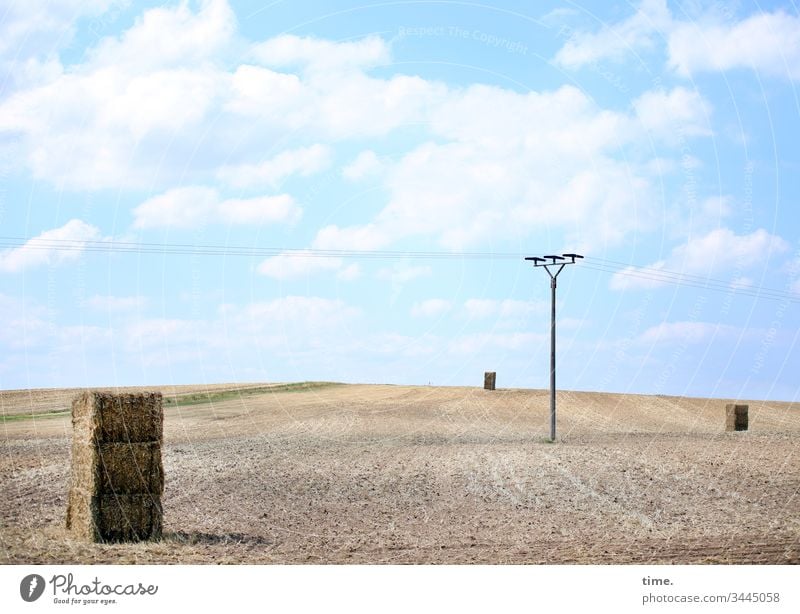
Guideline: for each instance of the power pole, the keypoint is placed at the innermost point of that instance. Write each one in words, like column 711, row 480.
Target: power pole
column 560, row 262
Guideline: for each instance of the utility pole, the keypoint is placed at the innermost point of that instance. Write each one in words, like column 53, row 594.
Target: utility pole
column 560, row 262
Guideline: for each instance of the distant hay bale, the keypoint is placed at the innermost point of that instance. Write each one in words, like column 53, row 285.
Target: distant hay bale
column 117, row 475
column 489, row 380
column 735, row 417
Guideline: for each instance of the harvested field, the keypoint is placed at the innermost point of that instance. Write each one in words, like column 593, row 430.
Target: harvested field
column 396, row 474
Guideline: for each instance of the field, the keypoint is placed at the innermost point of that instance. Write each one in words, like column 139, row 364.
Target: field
column 326, row 473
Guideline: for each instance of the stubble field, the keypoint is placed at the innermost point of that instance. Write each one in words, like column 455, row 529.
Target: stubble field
column 396, row 474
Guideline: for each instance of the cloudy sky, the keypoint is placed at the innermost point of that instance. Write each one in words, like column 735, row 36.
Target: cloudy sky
column 224, row 191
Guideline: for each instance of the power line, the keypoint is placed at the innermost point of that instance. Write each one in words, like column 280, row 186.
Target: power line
column 646, row 273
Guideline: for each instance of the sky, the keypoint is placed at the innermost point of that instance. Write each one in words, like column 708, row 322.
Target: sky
column 222, row 191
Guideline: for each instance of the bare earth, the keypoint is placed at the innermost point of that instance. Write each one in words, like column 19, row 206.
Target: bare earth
column 391, row 474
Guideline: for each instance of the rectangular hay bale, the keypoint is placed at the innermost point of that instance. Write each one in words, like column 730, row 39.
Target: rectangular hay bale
column 736, row 417
column 124, row 518
column 114, row 518
column 109, row 417
column 130, row 468
column 117, row 473
column 489, row 380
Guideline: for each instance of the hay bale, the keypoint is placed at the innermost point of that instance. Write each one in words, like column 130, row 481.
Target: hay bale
column 489, row 380
column 117, row 474
column 125, row 518
column 117, row 418
column 736, row 417
column 114, row 518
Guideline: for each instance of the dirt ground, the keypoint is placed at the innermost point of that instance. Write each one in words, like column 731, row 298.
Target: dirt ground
column 395, row 474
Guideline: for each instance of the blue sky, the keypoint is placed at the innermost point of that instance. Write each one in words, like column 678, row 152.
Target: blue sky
column 657, row 138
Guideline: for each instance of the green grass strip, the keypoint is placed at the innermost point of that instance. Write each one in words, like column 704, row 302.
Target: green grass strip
column 196, row 398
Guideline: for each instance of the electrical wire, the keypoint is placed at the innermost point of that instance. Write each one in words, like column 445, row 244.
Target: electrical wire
column 654, row 275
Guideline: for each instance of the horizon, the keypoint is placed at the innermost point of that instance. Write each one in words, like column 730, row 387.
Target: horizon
column 198, row 387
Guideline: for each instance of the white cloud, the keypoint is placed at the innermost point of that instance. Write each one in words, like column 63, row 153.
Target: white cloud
column 430, row 308
column 471, row 182
column 723, row 249
column 193, row 206
column 358, row 238
column 349, row 273
column 670, row 114
column 507, row 308
column 482, row 342
column 169, row 36
column 401, row 273
column 615, row 41
column 259, row 210
column 685, row 332
column 710, row 255
column 741, row 283
column 365, row 164
column 260, row 92
column 167, row 333
column 765, row 42
column 115, row 303
column 290, row 323
column 120, row 119
column 42, row 27
column 288, row 50
column 477, row 185
column 54, row 246
column 768, row 42
column 304, row 161
column 289, row 265
column 298, row 316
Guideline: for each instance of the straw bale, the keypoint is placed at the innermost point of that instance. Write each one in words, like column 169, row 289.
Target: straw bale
column 736, row 417
column 129, row 517
column 130, row 468
column 116, row 466
column 82, row 514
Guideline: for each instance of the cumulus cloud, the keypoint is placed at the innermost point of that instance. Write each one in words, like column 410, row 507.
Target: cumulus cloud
column 301, row 263
column 168, row 36
column 506, row 308
column 766, row 42
column 193, row 206
column 359, row 238
column 36, row 27
column 713, row 254
column 303, row 162
column 469, row 181
column 402, row 273
column 55, row 246
column 617, row 40
column 364, row 165
column 288, row 50
column 678, row 111
column 508, row 342
column 430, row 308
column 475, row 184
column 686, row 332
column 109, row 303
